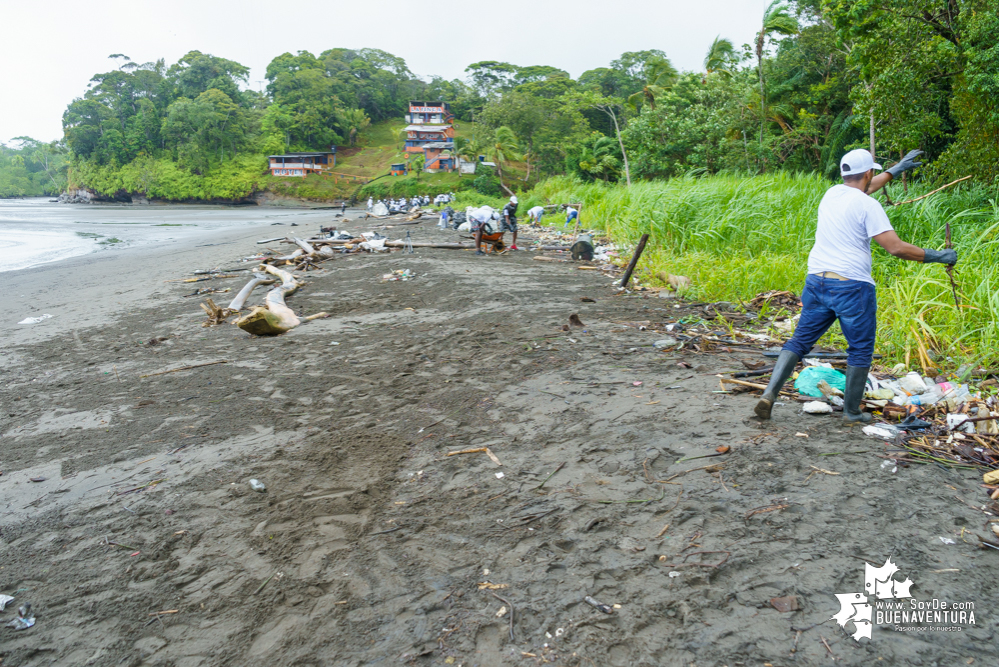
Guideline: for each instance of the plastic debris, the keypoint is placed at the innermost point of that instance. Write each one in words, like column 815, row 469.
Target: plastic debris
column 257, row 485
column 663, row 343
column 674, row 574
column 880, row 431
column 24, row 618
column 991, row 477
column 398, row 274
column 809, row 379
column 957, row 422
column 913, row 383
column 4, row 600
column 35, row 320
column 947, row 540
column 606, row 608
column 817, row 408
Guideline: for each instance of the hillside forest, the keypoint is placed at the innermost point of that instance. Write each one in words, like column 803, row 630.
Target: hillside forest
column 820, row 77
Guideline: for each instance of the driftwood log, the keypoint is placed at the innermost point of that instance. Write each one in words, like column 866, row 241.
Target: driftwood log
column 240, row 299
column 275, row 317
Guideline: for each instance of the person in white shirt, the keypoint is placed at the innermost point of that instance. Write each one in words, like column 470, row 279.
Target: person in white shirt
column 371, row 203
column 478, row 219
column 839, row 285
column 535, row 214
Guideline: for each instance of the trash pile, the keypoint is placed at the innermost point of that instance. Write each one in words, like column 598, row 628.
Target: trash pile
column 398, row 274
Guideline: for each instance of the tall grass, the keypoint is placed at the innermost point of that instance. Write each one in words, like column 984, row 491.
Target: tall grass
column 735, row 236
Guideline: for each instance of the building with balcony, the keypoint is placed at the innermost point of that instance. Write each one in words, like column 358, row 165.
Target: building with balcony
column 417, row 136
column 429, row 113
column 302, row 164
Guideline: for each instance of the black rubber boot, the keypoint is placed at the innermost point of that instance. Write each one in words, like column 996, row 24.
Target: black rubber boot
column 782, row 371
column 856, row 381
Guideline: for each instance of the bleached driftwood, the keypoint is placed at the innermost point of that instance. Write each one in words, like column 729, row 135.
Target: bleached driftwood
column 275, row 317
column 304, row 245
column 244, row 294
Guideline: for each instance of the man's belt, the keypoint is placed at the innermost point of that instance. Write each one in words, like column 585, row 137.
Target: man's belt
column 830, row 274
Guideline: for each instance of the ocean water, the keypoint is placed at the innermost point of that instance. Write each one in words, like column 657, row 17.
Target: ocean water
column 37, row 231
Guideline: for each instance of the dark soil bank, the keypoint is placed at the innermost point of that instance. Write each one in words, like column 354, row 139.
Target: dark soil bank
column 371, row 546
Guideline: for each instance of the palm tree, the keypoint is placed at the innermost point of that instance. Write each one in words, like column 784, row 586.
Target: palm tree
column 599, row 160
column 777, row 20
column 416, row 165
column 719, row 58
column 660, row 75
column 502, row 148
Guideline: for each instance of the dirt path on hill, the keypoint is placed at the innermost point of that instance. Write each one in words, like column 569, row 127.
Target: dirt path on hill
column 371, row 546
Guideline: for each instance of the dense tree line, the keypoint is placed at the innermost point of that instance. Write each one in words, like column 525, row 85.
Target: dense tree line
column 30, row 168
column 820, row 77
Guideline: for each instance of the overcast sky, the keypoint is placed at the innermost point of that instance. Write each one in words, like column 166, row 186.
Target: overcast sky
column 52, row 48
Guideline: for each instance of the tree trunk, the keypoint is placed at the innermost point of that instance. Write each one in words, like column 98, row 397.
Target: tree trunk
column 872, row 135
column 624, row 154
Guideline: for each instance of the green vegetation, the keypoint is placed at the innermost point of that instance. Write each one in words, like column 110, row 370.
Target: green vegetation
column 735, row 236
column 31, row 168
column 819, row 78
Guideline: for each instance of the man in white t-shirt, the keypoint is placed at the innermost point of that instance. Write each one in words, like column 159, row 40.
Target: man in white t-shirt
column 839, row 285
column 479, row 219
column 535, row 214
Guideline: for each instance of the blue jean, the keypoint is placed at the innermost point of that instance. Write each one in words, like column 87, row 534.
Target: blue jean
column 854, row 303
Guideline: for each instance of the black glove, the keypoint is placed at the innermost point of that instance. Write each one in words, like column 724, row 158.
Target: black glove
column 940, row 256
column 905, row 164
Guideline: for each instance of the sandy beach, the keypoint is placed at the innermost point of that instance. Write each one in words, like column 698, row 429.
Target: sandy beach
column 128, row 522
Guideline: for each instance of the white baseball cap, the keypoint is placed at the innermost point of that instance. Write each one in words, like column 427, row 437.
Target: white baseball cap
column 513, row 199
column 857, row 161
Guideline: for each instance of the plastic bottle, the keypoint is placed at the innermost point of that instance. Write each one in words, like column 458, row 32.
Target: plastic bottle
column 928, row 397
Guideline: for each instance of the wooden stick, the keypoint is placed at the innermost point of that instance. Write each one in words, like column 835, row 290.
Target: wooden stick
column 185, row 368
column 634, row 260
column 909, row 201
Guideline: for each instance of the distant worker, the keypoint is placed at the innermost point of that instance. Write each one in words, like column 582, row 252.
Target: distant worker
column 839, row 285
column 570, row 215
column 371, row 203
column 479, row 220
column 445, row 217
column 343, row 206
column 535, row 214
column 510, row 221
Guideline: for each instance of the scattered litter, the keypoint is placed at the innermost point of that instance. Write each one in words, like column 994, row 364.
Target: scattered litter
column 816, row 408
column 888, row 463
column 398, row 274
column 24, row 618
column 485, row 585
column 913, row 383
column 674, row 574
column 959, row 422
column 606, row 608
column 499, row 475
column 785, row 604
column 257, row 485
column 991, row 477
column 664, row 343
column 947, row 540
column 502, row 612
column 35, row 320
column 880, row 431
column 636, row 384
column 809, row 379
column 4, row 599
column 722, row 449
column 801, row 435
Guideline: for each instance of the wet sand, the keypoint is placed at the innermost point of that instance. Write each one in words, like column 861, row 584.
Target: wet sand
column 371, row 545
